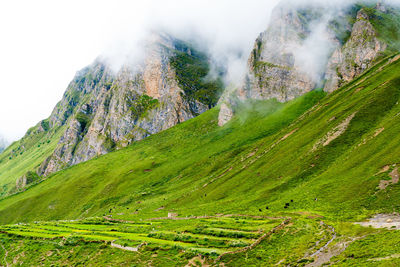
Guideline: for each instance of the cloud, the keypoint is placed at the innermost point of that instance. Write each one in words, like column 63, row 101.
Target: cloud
column 46, row 42
column 226, row 29
column 313, row 54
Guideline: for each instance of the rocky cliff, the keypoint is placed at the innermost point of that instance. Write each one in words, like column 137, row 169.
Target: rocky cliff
column 356, row 55
column 273, row 68
column 309, row 47
column 102, row 110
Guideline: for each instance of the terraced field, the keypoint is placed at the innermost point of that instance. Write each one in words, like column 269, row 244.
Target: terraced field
column 213, row 236
column 232, row 240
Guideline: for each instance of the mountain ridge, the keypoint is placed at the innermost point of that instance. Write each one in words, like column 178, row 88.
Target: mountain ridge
column 355, row 39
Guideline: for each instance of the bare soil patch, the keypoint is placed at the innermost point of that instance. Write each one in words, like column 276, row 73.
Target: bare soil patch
column 335, row 132
column 388, row 221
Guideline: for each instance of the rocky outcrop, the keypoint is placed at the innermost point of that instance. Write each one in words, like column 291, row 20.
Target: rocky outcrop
column 273, row 66
column 103, row 111
column 279, row 66
column 28, row 178
column 356, row 56
column 225, row 114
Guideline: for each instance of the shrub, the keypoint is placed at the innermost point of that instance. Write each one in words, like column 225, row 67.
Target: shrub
column 142, row 105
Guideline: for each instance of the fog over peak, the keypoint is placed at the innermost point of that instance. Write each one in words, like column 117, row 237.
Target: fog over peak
column 46, row 42
column 226, row 29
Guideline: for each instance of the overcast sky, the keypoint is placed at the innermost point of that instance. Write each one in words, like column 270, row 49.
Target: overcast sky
column 44, row 42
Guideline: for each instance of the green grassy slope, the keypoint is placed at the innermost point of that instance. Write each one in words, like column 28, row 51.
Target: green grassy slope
column 26, row 155
column 265, row 157
column 168, row 165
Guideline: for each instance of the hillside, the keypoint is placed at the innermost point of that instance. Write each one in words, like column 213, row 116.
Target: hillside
column 319, row 157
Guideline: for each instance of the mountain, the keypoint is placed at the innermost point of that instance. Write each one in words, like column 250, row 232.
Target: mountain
column 305, row 157
column 112, row 111
column 103, row 111
column 305, row 47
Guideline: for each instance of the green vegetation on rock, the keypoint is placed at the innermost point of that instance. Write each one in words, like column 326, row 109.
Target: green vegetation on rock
column 192, row 69
column 142, row 105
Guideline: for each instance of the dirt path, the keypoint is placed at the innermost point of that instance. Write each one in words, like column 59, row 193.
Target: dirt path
column 134, row 249
column 334, row 133
column 5, row 255
column 116, row 220
column 195, row 260
column 324, row 256
column 324, row 247
column 324, row 253
column 388, row 221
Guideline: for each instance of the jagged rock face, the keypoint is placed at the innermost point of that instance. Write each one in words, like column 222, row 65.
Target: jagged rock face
column 273, row 67
column 103, row 111
column 356, row 56
column 273, row 72
column 21, row 182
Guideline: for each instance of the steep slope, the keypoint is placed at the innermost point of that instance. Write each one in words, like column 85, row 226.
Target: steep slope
column 307, row 47
column 335, row 151
column 102, row 111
